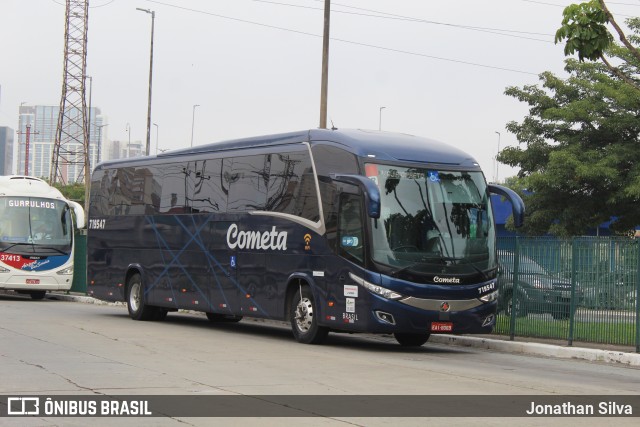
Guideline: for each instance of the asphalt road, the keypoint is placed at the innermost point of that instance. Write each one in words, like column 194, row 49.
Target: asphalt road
column 57, row 347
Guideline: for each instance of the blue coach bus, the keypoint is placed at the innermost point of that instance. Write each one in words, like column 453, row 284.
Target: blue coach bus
column 331, row 230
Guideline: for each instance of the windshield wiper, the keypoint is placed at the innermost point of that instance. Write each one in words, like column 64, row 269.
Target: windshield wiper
column 51, row 248
column 442, row 259
column 16, row 244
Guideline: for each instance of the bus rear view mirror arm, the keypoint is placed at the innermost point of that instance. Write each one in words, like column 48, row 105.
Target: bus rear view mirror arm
column 517, row 205
column 79, row 213
column 369, row 188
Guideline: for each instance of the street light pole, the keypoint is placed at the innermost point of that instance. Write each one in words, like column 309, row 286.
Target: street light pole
column 157, row 131
column 324, row 86
column 193, row 121
column 380, row 118
column 497, row 178
column 153, row 16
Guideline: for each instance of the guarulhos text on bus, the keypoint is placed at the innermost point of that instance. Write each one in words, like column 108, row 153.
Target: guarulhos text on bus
column 273, row 239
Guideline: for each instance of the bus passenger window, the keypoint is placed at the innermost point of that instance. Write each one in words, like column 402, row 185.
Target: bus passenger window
column 350, row 228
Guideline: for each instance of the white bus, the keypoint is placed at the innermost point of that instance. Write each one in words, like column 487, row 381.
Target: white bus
column 36, row 236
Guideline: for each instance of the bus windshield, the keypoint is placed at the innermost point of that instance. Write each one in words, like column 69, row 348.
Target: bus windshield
column 33, row 225
column 432, row 221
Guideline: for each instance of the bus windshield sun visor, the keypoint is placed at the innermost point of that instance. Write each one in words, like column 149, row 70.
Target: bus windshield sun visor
column 371, row 191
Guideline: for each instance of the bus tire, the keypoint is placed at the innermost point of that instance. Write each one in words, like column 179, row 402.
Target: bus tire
column 217, row 317
column 303, row 316
column 37, row 295
column 411, row 340
column 138, row 309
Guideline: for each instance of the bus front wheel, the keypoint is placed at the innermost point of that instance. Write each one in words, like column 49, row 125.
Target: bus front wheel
column 138, row 309
column 411, row 340
column 303, row 315
column 37, row 295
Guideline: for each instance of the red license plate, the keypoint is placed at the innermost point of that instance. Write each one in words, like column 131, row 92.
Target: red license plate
column 33, row 281
column 441, row 326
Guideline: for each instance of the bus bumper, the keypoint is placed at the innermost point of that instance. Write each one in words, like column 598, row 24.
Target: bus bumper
column 35, row 282
column 386, row 317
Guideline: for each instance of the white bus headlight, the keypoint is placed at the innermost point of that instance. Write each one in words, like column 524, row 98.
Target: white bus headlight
column 66, row 271
column 489, row 297
column 378, row 290
column 3, row 270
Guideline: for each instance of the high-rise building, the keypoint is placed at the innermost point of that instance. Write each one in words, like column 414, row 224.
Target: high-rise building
column 6, row 150
column 40, row 122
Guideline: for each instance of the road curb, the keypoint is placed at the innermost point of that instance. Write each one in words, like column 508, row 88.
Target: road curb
column 518, row 347
column 539, row 349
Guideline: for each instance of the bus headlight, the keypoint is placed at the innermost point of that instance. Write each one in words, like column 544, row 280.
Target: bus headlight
column 4, row 270
column 489, row 297
column 66, row 271
column 378, row 290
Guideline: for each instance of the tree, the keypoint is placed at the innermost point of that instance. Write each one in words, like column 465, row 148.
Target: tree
column 73, row 192
column 579, row 153
column 584, row 28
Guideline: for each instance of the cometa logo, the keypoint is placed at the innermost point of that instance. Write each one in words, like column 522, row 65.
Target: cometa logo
column 438, row 279
column 274, row 239
column 307, row 242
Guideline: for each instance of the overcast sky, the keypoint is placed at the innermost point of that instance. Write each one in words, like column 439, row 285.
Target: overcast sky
column 439, row 67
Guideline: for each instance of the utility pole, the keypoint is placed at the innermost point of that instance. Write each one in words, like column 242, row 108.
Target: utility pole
column 27, row 134
column 325, row 66
column 153, row 18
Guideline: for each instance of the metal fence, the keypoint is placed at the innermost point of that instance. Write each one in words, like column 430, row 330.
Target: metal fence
column 579, row 289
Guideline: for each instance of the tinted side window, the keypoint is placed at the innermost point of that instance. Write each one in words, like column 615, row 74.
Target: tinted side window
column 334, row 160
column 175, row 183
column 209, row 190
column 248, row 183
column 119, row 190
column 98, row 198
column 292, row 185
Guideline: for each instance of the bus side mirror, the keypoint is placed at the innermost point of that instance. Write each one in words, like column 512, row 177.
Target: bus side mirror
column 369, row 188
column 517, row 205
column 79, row 212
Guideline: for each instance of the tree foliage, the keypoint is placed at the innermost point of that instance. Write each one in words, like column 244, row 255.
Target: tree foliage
column 579, row 151
column 584, row 27
column 73, row 192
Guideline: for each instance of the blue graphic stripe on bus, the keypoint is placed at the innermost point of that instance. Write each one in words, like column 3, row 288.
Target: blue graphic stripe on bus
column 48, row 263
column 208, row 254
column 176, row 261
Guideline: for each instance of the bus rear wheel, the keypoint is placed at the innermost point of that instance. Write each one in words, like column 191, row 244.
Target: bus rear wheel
column 411, row 340
column 138, row 309
column 303, row 317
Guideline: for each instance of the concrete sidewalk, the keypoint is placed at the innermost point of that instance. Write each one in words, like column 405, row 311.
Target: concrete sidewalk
column 495, row 343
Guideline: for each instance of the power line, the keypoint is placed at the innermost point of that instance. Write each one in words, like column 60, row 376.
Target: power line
column 275, row 27
column 386, row 15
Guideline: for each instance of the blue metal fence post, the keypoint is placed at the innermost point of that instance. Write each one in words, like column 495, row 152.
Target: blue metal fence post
column 514, row 291
column 574, row 272
column 638, row 298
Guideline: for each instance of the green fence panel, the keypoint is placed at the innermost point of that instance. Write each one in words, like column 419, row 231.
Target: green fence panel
column 80, row 263
column 582, row 289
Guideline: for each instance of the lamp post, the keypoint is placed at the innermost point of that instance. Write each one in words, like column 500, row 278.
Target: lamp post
column 157, row 131
column 193, row 121
column 380, row 118
column 497, row 164
column 153, row 16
